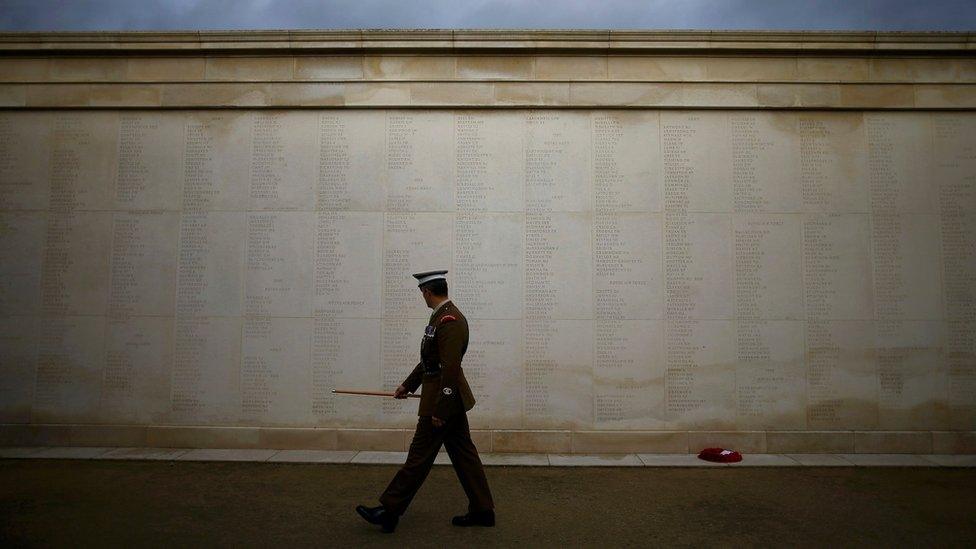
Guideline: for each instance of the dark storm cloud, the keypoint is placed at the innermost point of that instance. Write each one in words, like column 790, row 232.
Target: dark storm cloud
column 474, row 14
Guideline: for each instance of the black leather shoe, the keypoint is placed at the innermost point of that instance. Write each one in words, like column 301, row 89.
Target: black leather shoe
column 475, row 518
column 379, row 515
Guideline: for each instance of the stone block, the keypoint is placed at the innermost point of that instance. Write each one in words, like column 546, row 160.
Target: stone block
column 945, row 96
column 154, row 454
column 560, row 67
column 58, row 95
column 13, row 69
column 126, row 95
column 810, row 442
column 286, row 438
column 226, row 454
column 443, row 94
column 372, row 439
column 329, row 67
column 531, row 441
column 655, row 68
column 911, row 69
column 743, row 441
column 306, row 94
column 250, row 68
column 677, row 460
column 34, row 435
column 107, row 435
column 892, row 442
column 757, row 69
column 13, row 95
column 71, row 452
column 313, row 456
column 218, row 94
column 954, row 442
column 888, row 460
column 376, row 94
column 202, row 437
column 620, row 94
column 877, row 96
column 376, row 457
column 409, row 67
column 595, row 460
column 515, row 459
column 808, row 96
column 87, row 69
column 485, row 67
column 531, row 93
column 820, row 460
column 165, row 69
column 588, row 442
column 833, row 69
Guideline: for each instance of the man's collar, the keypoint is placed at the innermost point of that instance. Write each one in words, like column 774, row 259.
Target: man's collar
column 437, row 308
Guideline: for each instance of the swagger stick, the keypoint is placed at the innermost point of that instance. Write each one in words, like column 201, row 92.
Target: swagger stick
column 370, row 393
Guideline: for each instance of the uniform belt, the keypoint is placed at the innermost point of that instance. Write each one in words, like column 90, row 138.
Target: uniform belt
column 432, row 371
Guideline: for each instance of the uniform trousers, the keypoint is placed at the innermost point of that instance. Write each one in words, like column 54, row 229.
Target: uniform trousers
column 456, row 438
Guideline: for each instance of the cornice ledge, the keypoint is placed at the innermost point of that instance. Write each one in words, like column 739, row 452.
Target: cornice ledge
column 433, row 41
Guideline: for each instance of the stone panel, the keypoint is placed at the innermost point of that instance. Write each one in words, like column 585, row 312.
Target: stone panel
column 136, row 375
column 70, row 366
column 719, row 276
column 18, row 363
column 22, row 237
column 276, row 380
column 25, row 160
column 206, row 383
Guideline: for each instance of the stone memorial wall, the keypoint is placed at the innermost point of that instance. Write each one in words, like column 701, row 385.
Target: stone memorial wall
column 641, row 278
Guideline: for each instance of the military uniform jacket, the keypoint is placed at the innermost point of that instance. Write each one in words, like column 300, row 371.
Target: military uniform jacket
column 445, row 340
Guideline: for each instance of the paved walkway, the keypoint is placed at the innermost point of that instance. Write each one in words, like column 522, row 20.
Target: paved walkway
column 559, row 460
column 153, row 503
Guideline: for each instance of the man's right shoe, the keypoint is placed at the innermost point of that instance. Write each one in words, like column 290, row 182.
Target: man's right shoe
column 379, row 515
column 475, row 518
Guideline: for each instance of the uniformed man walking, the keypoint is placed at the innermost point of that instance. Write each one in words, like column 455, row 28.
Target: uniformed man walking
column 444, row 403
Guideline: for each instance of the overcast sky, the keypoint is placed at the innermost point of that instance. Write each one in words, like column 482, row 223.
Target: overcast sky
column 482, row 14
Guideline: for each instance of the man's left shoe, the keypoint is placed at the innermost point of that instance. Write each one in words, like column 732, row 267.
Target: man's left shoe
column 379, row 515
column 475, row 518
